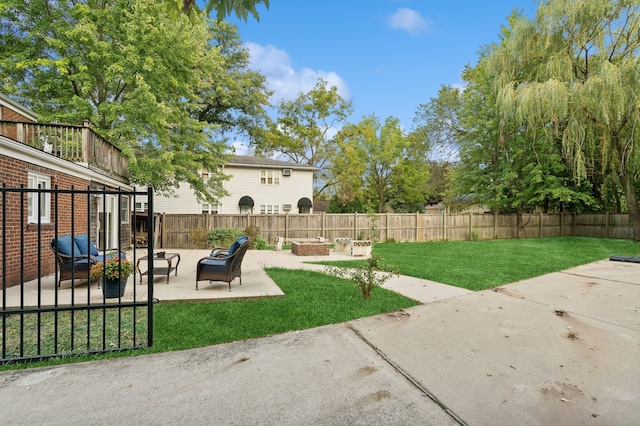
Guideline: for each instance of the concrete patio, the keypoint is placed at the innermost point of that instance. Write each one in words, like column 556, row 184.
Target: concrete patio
column 181, row 285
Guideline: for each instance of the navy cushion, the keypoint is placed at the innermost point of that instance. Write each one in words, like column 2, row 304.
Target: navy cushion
column 236, row 244
column 65, row 244
column 217, row 265
column 82, row 241
column 233, row 248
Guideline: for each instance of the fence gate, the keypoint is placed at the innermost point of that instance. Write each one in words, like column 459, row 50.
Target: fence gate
column 51, row 305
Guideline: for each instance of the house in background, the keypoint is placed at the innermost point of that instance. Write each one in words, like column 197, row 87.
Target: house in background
column 256, row 186
column 49, row 156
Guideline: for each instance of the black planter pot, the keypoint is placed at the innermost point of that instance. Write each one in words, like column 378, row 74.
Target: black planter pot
column 114, row 288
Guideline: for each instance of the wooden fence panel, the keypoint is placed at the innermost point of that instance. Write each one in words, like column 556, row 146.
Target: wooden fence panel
column 399, row 227
column 619, row 226
column 590, row 225
column 483, row 226
column 173, row 229
column 431, row 227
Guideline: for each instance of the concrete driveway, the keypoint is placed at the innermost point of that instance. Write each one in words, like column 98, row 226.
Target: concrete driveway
column 563, row 348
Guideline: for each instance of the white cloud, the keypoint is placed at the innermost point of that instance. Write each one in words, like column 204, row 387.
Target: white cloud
column 460, row 86
column 408, row 20
column 287, row 83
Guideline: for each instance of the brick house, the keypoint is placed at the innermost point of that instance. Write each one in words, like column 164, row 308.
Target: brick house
column 65, row 158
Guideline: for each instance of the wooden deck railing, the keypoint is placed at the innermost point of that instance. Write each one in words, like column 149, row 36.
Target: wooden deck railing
column 72, row 143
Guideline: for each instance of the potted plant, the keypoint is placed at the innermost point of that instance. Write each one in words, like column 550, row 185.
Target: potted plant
column 114, row 274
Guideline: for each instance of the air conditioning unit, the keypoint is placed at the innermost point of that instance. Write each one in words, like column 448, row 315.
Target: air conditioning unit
column 286, row 172
column 286, row 207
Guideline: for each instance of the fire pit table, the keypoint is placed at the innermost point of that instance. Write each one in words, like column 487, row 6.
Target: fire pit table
column 310, row 248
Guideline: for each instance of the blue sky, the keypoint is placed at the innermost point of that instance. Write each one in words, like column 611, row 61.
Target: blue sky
column 386, row 56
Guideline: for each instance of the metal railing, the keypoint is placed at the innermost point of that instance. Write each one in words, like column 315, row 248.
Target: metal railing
column 44, row 318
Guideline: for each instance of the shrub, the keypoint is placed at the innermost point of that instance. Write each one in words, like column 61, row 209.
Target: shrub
column 366, row 276
column 200, row 237
column 252, row 232
column 260, row 243
column 223, row 237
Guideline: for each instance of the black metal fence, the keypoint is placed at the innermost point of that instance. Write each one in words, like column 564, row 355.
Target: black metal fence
column 51, row 305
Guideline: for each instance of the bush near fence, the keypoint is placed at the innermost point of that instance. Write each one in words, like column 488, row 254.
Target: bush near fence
column 405, row 227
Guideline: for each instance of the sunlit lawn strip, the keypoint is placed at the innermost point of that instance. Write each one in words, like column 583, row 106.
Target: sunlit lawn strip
column 477, row 265
column 311, row 299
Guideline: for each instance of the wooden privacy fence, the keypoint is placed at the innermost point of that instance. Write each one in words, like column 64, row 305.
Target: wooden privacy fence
column 405, row 227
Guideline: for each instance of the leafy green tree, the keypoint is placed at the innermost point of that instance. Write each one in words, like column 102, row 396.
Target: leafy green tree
column 503, row 166
column 377, row 163
column 235, row 98
column 141, row 78
column 572, row 75
column 437, row 124
column 439, row 172
column 303, row 131
column 339, row 205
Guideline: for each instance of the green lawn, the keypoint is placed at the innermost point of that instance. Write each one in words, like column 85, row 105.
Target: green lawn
column 311, row 299
column 477, row 265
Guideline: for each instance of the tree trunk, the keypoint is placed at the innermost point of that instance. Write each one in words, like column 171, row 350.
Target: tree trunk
column 519, row 223
column 632, row 206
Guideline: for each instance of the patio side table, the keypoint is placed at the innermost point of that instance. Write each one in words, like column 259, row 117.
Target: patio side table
column 159, row 270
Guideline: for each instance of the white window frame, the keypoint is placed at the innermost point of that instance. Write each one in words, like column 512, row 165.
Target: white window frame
column 37, row 180
column 269, row 209
column 125, row 213
column 270, row 177
column 141, row 206
column 210, row 208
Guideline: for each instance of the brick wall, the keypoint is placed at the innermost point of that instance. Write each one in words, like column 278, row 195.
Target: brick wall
column 309, row 248
column 12, row 115
column 9, row 114
column 28, row 252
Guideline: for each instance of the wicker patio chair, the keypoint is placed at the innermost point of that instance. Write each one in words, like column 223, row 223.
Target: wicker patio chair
column 224, row 268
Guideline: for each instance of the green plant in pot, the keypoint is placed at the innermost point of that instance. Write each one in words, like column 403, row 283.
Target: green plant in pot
column 114, row 274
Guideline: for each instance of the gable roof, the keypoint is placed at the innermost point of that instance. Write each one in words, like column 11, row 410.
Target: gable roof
column 259, row 162
column 10, row 103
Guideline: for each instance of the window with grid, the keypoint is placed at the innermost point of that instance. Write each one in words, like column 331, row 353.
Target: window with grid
column 210, row 208
column 269, row 209
column 124, row 209
column 142, row 206
column 39, row 202
column 269, row 177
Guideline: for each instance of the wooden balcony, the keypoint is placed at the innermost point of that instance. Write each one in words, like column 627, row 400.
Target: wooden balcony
column 78, row 144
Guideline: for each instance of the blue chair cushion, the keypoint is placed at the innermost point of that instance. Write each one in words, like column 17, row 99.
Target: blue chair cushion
column 233, row 248
column 236, row 244
column 83, row 241
column 216, row 265
column 64, row 245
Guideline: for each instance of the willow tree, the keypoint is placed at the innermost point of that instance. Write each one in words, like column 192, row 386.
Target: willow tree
column 571, row 75
column 223, row 8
